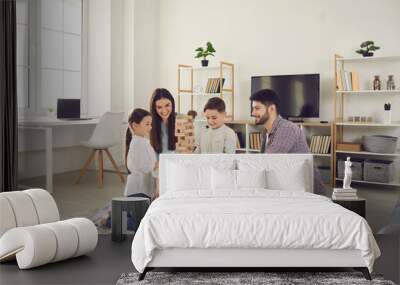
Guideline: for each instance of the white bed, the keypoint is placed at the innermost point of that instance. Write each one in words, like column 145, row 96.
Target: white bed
column 231, row 221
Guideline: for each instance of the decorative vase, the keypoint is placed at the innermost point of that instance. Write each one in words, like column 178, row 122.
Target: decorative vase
column 204, row 62
column 387, row 116
column 377, row 83
column 390, row 83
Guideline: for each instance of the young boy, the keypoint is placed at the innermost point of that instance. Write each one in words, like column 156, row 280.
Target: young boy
column 216, row 137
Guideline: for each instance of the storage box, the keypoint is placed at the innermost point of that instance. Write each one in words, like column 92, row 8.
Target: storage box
column 348, row 146
column 378, row 171
column 356, row 168
column 325, row 172
column 380, row 144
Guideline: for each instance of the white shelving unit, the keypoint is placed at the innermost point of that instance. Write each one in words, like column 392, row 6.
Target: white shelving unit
column 372, row 183
column 368, row 59
column 366, row 153
column 351, row 124
column 353, row 129
column 374, row 92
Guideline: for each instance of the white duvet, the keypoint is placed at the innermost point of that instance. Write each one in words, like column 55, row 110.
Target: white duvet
column 253, row 218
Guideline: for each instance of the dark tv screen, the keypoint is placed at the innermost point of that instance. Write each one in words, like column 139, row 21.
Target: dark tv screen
column 299, row 94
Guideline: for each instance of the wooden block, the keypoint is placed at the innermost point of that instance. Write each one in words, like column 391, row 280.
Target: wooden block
column 349, row 146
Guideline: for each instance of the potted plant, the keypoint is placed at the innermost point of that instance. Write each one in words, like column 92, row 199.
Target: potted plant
column 204, row 52
column 50, row 112
column 369, row 48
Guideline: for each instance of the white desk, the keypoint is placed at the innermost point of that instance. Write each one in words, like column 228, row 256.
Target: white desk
column 46, row 124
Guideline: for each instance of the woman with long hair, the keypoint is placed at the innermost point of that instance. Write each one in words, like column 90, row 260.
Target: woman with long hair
column 162, row 109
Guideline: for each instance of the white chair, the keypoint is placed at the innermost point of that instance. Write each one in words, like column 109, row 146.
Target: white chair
column 31, row 231
column 105, row 135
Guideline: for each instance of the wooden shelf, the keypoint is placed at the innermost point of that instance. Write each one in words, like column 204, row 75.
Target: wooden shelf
column 396, row 91
column 315, row 124
column 367, row 124
column 369, row 59
column 240, row 122
column 206, row 68
column 368, row 153
column 394, row 184
column 254, row 150
column 223, row 70
column 322, row 154
column 190, row 93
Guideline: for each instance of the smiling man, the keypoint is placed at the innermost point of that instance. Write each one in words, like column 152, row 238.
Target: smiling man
column 280, row 135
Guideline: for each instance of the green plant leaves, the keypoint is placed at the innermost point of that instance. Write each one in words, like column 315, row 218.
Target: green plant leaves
column 204, row 52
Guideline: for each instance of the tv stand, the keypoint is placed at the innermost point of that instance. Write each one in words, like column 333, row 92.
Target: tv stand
column 296, row 120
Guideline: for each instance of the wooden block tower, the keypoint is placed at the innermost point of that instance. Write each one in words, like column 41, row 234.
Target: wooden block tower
column 184, row 132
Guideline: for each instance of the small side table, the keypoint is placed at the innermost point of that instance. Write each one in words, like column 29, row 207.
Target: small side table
column 136, row 205
column 358, row 206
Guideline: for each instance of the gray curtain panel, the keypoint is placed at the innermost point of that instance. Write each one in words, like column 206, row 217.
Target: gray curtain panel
column 8, row 97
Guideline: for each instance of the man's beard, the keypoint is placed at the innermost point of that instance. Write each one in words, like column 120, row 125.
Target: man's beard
column 262, row 120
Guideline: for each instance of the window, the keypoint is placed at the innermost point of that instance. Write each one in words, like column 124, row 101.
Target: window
column 23, row 53
column 49, row 44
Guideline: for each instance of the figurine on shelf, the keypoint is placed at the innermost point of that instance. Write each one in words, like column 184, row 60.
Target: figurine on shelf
column 390, row 83
column 347, row 174
column 377, row 83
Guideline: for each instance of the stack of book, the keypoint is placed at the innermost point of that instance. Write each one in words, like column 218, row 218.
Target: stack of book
column 320, row 144
column 347, row 80
column 255, row 140
column 344, row 194
column 213, row 85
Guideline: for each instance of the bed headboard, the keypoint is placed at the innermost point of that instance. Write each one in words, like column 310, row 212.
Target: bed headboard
column 269, row 160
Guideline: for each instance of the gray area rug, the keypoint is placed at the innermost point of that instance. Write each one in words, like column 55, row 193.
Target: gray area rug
column 229, row 278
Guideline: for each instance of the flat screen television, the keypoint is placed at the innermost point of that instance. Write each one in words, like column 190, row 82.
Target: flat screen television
column 299, row 93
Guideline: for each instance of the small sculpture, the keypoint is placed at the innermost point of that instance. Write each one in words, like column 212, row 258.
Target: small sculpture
column 347, row 174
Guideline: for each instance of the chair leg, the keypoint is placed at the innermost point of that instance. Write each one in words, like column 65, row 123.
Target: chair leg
column 101, row 169
column 85, row 167
column 115, row 165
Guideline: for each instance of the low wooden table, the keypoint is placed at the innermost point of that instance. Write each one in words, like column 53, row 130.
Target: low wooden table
column 136, row 205
column 358, row 206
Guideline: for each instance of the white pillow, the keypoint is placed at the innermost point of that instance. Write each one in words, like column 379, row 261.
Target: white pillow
column 223, row 179
column 290, row 178
column 182, row 177
column 251, row 178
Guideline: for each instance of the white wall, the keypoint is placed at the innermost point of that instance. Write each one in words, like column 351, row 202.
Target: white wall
column 146, row 51
column 99, row 57
column 262, row 37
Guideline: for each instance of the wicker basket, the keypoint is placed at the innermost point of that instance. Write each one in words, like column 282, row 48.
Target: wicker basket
column 380, row 144
column 378, row 171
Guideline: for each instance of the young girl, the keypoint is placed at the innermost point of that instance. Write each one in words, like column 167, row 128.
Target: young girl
column 140, row 157
column 140, row 160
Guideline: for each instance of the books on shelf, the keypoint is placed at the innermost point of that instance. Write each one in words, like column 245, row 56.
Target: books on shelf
column 255, row 140
column 239, row 140
column 344, row 194
column 320, row 144
column 213, row 85
column 347, row 80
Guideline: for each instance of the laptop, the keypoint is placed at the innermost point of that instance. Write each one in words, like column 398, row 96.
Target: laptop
column 69, row 109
